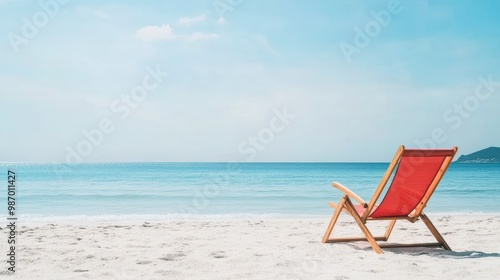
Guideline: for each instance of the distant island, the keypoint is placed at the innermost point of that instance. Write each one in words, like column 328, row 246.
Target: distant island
column 488, row 155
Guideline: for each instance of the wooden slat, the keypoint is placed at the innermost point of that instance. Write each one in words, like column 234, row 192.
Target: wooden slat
column 390, row 218
column 435, row 182
column 349, row 239
column 389, row 229
column 335, row 216
column 429, row 153
column 334, row 206
column 362, row 226
column 350, row 193
column 434, row 231
column 383, row 182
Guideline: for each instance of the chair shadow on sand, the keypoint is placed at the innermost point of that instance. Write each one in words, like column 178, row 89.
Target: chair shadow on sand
column 439, row 253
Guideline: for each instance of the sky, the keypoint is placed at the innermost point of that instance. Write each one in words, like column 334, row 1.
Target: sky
column 246, row 81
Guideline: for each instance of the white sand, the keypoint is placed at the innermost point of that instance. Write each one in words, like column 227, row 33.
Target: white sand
column 253, row 249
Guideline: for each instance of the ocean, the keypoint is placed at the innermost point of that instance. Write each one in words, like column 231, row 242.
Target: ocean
column 223, row 189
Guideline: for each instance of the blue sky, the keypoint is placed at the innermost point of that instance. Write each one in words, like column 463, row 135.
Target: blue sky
column 247, row 80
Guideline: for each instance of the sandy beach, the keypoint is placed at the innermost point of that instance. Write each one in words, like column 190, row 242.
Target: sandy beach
column 270, row 248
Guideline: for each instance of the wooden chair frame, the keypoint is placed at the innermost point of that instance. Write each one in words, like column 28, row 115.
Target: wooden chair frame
column 346, row 205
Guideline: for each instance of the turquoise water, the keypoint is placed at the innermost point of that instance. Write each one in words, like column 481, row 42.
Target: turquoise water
column 224, row 188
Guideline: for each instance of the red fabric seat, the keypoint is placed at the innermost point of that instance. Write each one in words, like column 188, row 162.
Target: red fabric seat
column 361, row 210
column 413, row 178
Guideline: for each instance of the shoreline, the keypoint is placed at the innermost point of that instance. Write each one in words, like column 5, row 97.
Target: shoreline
column 29, row 219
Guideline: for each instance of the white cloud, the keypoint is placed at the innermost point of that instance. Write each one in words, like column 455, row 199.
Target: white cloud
column 155, row 33
column 152, row 33
column 201, row 36
column 187, row 20
column 221, row 21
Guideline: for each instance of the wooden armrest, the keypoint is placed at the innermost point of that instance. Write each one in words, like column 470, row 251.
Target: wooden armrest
column 349, row 193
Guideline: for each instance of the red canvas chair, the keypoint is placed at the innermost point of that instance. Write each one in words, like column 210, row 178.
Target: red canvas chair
column 418, row 172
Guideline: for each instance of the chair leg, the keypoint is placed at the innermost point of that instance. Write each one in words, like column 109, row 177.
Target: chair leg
column 389, row 229
column 335, row 216
column 434, row 231
column 363, row 227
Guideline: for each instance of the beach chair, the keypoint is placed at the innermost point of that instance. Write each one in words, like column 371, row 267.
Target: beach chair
column 418, row 172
